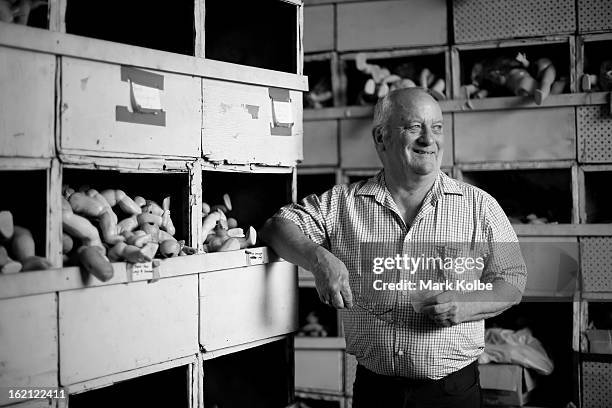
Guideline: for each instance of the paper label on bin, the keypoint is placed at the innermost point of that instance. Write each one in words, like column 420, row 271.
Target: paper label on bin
column 282, row 112
column 146, row 97
column 140, row 271
column 254, row 256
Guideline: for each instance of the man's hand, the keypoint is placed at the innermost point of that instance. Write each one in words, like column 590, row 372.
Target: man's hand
column 446, row 308
column 452, row 307
column 332, row 280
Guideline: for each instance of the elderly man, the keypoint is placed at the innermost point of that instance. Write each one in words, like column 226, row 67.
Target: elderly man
column 417, row 346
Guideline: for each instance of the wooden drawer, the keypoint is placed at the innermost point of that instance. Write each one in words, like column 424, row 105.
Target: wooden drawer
column 318, row 28
column 552, row 264
column 594, row 124
column 594, row 15
column 319, row 369
column 478, row 20
column 116, row 328
column 511, row 135
column 28, row 335
column 241, row 305
column 238, row 124
column 389, row 24
column 98, row 115
column 320, row 143
column 28, row 109
column 357, row 147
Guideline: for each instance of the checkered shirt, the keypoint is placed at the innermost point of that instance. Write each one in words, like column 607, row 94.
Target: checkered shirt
column 382, row 330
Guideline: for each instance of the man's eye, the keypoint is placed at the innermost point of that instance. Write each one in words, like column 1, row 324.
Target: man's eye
column 413, row 128
column 437, row 128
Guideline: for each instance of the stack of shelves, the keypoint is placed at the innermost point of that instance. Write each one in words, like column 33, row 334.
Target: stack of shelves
column 192, row 116
column 549, row 160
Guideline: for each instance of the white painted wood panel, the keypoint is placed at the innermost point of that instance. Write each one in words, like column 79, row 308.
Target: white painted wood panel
column 28, row 103
column 237, row 120
column 515, row 135
column 28, row 343
column 320, row 143
column 117, row 328
column 319, row 369
column 92, row 90
column 319, row 28
column 241, row 305
column 370, row 25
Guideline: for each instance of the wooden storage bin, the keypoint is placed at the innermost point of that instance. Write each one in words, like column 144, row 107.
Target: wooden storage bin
column 134, row 24
column 596, row 390
column 479, row 20
column 241, row 305
column 515, row 135
column 261, row 34
column 544, row 192
column 594, row 124
column 321, row 70
column 240, row 124
column 597, row 200
column 320, row 143
column 594, row 15
column 390, row 24
column 407, row 64
column 559, row 50
column 315, row 183
column 27, row 116
column 319, row 28
column 116, row 328
column 596, row 264
column 174, row 382
column 28, row 334
column 98, row 117
column 318, row 370
column 259, row 376
column 591, row 53
column 552, row 265
column 357, row 147
column 27, row 200
column 328, row 317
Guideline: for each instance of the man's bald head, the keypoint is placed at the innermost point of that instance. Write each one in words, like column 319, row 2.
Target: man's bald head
column 405, row 98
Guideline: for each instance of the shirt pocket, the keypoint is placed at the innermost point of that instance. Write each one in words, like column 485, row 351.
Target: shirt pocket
column 374, row 283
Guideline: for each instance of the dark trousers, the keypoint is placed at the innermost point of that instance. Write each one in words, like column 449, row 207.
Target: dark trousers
column 460, row 389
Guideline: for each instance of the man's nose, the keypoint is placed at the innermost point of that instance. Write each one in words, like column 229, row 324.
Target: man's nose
column 426, row 137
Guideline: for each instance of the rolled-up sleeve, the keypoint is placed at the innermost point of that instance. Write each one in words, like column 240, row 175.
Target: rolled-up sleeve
column 313, row 215
column 505, row 260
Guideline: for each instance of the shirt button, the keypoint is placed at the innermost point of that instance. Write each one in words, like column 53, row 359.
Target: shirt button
column 400, row 353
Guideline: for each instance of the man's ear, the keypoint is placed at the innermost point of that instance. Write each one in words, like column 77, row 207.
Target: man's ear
column 378, row 133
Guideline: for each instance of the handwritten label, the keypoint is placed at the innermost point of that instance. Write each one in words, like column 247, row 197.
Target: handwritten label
column 140, row 271
column 254, row 256
column 283, row 115
column 145, row 97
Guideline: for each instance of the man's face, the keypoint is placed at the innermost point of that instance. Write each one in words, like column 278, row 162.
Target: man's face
column 413, row 136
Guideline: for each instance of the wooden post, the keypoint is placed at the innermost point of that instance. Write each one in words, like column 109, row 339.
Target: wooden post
column 54, row 214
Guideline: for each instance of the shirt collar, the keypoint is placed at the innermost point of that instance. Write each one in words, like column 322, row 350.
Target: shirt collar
column 377, row 188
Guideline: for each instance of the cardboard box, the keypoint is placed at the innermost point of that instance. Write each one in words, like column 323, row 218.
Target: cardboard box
column 600, row 341
column 505, row 384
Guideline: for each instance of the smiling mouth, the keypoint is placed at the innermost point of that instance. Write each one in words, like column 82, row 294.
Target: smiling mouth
column 424, row 152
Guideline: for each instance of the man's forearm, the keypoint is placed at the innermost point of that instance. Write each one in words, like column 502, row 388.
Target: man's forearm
column 289, row 242
column 483, row 304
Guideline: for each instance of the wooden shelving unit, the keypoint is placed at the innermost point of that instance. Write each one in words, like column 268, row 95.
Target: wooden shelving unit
column 68, row 116
column 555, row 155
